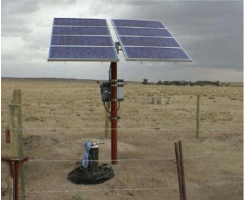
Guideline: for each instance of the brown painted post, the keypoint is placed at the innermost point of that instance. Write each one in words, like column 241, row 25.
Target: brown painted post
column 114, row 113
column 7, row 134
column 182, row 170
column 178, row 170
column 198, row 116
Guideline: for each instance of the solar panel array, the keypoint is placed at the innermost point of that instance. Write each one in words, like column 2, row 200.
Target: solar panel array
column 75, row 39
column 148, row 41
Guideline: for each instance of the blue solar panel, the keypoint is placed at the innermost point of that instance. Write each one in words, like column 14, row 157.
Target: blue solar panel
column 138, row 23
column 155, row 53
column 80, row 31
column 153, row 42
column 148, row 41
column 82, row 53
column 76, row 39
column 142, row 32
column 82, row 40
column 79, row 22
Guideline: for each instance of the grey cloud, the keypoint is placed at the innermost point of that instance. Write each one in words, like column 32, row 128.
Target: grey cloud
column 72, row 1
column 57, row 3
column 41, row 43
column 9, row 56
column 215, row 29
column 211, row 33
column 14, row 20
column 15, row 30
column 113, row 9
column 19, row 7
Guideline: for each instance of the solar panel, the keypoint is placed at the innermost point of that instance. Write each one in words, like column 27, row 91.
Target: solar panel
column 82, row 53
column 98, row 31
column 82, row 40
column 148, row 41
column 155, row 53
column 75, row 39
column 79, row 22
column 142, row 32
column 138, row 23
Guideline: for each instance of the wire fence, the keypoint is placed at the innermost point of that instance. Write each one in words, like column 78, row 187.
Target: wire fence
column 125, row 160
column 132, row 189
column 131, row 129
column 136, row 159
column 137, row 188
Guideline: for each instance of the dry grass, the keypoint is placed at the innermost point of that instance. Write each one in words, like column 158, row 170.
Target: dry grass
column 60, row 115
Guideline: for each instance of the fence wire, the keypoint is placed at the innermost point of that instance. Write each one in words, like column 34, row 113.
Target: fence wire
column 132, row 129
column 131, row 189
column 136, row 159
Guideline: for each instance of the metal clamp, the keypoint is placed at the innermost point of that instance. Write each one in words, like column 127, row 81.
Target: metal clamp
column 114, row 100
column 116, row 118
column 98, row 143
column 114, row 85
column 113, row 80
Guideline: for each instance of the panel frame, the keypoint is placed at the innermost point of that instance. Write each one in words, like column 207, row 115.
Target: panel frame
column 82, row 59
column 149, row 59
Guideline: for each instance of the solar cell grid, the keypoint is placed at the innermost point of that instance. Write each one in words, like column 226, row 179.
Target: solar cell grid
column 153, row 42
column 81, row 53
column 79, row 22
column 138, row 23
column 142, row 32
column 82, row 40
column 147, row 53
column 80, row 31
column 148, row 41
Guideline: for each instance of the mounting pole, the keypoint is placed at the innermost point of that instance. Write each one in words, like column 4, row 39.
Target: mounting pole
column 114, row 112
column 15, row 163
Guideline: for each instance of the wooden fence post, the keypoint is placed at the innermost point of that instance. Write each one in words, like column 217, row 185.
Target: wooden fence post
column 159, row 100
column 198, row 116
column 16, row 144
column 107, row 121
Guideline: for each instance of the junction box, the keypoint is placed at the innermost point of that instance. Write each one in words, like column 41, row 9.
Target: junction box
column 106, row 91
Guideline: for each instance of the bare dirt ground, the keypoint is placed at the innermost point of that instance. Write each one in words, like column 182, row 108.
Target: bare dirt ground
column 59, row 116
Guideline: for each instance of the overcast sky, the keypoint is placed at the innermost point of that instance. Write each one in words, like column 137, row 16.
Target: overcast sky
column 210, row 31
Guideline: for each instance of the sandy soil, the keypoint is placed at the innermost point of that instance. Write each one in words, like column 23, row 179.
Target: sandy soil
column 59, row 116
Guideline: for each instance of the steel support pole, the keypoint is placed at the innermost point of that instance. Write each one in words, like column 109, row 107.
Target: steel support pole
column 114, row 112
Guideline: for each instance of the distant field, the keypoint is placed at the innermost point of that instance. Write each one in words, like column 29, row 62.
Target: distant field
column 236, row 84
column 60, row 115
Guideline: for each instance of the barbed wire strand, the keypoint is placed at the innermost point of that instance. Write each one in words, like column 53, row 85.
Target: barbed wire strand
column 130, row 129
column 130, row 189
column 139, row 159
column 152, row 130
